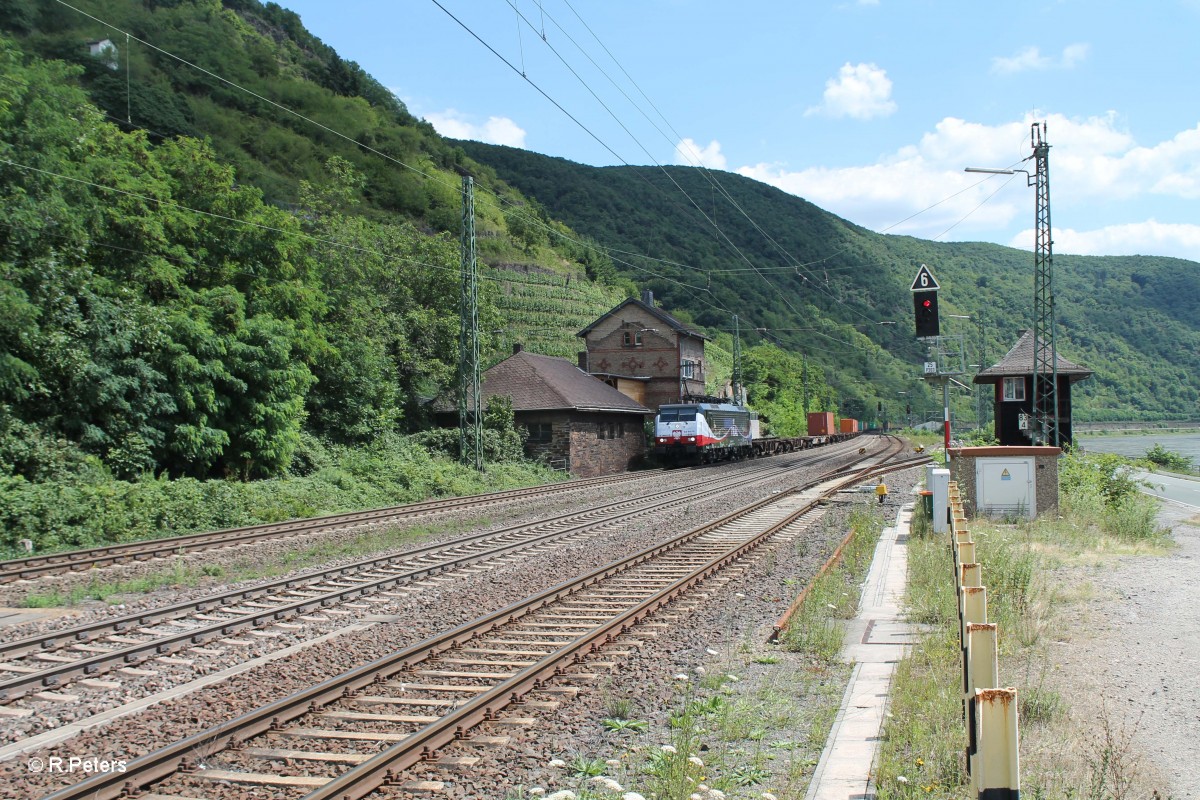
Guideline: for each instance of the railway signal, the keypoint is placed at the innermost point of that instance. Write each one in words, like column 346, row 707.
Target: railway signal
column 925, row 303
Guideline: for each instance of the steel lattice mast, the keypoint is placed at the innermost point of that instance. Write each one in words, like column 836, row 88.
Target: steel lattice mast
column 1045, row 350
column 470, row 418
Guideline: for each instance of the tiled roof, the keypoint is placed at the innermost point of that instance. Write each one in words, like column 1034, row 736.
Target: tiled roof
column 1019, row 361
column 658, row 313
column 544, row 383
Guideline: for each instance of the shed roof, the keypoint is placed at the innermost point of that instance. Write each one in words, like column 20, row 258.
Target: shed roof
column 546, row 383
column 1019, row 361
column 655, row 312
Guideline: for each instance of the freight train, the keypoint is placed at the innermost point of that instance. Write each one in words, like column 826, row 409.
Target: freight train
column 700, row 433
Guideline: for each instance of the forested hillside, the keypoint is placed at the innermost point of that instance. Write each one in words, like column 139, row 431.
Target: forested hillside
column 820, row 284
column 220, row 306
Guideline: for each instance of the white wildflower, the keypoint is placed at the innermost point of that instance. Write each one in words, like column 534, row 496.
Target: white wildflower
column 902, row 779
column 700, row 670
column 632, row 796
column 561, row 794
column 536, row 791
column 666, row 748
column 695, row 796
column 769, row 796
column 702, row 788
column 608, row 783
column 695, row 760
column 716, row 794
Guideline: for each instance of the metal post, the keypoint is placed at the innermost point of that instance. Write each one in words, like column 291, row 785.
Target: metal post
column 470, row 416
column 1045, row 355
column 997, row 768
column 974, row 609
column 946, row 415
column 736, row 379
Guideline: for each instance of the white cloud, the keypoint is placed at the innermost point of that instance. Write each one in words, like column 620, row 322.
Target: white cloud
column 497, row 130
column 1031, row 58
column 1131, row 239
column 861, row 91
column 921, row 189
column 689, row 153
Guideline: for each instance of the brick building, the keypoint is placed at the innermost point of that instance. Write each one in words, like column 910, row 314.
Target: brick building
column 574, row 420
column 645, row 353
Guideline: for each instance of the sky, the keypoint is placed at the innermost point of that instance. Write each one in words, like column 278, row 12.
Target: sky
column 871, row 109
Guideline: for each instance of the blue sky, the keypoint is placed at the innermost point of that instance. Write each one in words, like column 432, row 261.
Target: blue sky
column 868, row 108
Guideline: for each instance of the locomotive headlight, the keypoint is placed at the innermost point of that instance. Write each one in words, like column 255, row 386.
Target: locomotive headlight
column 691, row 438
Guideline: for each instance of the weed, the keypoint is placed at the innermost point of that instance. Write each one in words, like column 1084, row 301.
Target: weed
column 625, row 725
column 619, row 707
column 583, row 767
column 749, row 775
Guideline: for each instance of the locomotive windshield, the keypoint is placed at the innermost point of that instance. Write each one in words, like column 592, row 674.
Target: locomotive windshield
column 677, row 415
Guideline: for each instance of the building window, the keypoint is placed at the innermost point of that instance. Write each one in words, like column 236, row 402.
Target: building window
column 539, row 432
column 687, row 370
column 609, row 430
column 631, row 338
column 1014, row 389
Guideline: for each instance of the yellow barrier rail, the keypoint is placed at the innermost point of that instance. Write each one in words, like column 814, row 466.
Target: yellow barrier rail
column 993, row 752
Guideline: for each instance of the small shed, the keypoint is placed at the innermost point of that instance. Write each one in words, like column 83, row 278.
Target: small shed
column 573, row 419
column 1013, row 380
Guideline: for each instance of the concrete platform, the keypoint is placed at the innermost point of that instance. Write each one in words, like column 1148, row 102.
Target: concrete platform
column 875, row 640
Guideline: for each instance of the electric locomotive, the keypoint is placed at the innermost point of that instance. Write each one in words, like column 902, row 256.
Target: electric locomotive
column 698, row 433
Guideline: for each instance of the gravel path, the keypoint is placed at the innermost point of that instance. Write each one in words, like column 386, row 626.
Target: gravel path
column 1136, row 650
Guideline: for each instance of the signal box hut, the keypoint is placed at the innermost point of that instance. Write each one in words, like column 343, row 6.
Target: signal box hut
column 574, row 420
column 1013, row 379
column 646, row 353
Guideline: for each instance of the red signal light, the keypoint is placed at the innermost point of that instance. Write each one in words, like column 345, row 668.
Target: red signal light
column 927, row 304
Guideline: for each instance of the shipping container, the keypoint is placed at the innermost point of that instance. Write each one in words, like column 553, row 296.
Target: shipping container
column 848, row 425
column 820, row 423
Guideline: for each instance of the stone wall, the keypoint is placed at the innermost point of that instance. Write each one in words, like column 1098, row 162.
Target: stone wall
column 606, row 444
column 587, row 444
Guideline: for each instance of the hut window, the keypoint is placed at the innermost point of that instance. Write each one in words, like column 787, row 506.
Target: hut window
column 540, row 432
column 1014, row 389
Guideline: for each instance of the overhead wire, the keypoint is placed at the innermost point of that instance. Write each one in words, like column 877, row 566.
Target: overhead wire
column 729, row 242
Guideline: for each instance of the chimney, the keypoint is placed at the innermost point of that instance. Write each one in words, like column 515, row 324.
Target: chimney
column 648, row 298
column 583, row 360
column 517, row 347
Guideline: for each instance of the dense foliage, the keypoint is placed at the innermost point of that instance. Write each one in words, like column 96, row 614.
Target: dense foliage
column 92, row 508
column 1160, row 456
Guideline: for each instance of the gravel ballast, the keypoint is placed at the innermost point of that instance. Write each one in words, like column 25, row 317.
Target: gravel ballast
column 434, row 609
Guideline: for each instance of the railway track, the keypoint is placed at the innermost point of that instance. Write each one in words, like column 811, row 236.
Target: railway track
column 53, row 660
column 352, row 733
column 32, row 567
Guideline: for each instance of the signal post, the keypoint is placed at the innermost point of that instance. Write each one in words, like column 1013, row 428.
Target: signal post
column 946, row 357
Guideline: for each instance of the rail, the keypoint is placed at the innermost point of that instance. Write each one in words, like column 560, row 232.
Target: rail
column 695, row 555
